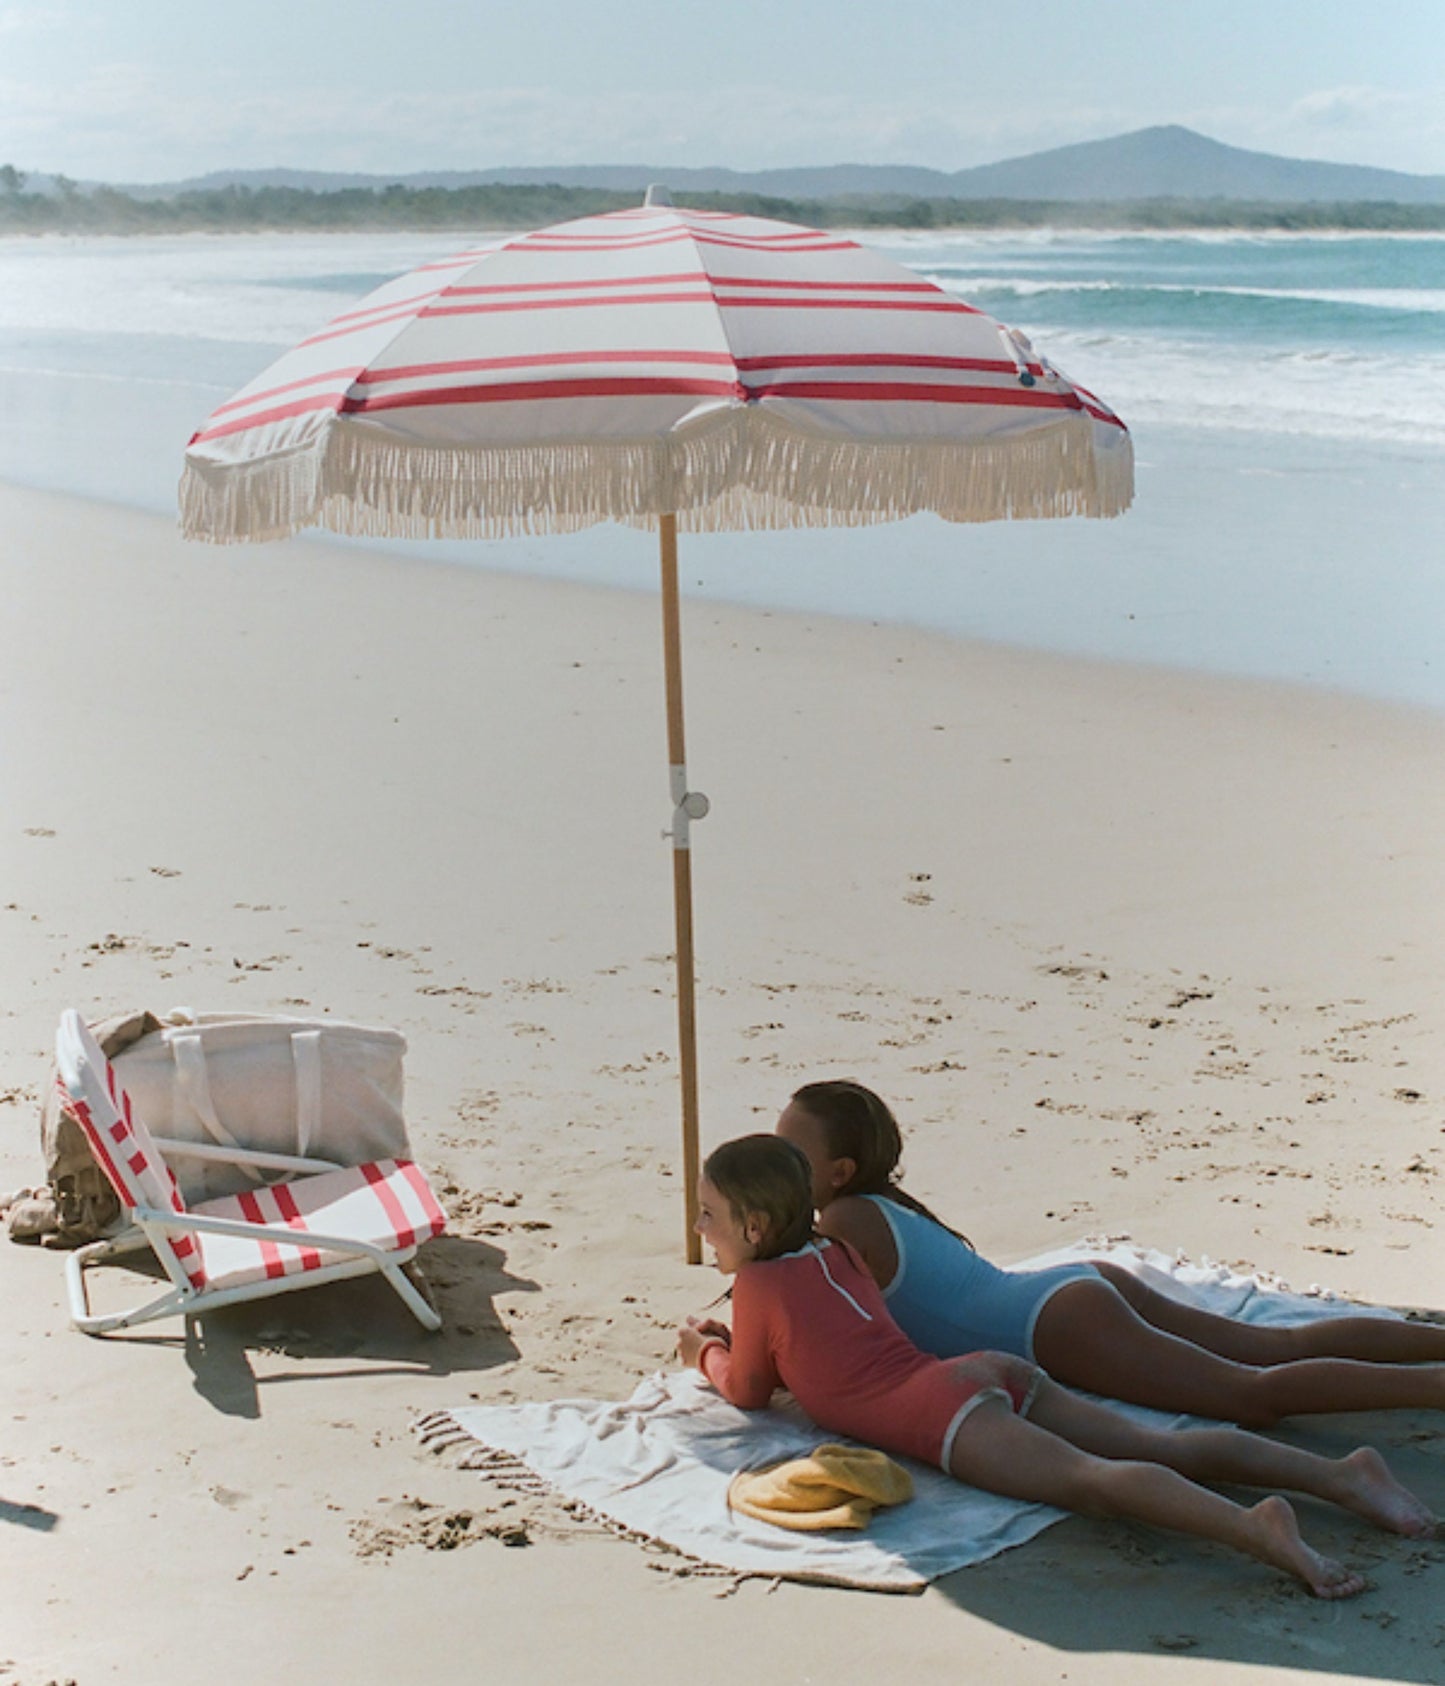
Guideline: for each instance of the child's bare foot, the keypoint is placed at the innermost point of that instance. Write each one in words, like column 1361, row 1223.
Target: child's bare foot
column 1368, row 1488
column 1277, row 1541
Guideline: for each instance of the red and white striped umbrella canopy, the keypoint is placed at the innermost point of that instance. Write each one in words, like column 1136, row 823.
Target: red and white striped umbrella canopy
column 735, row 371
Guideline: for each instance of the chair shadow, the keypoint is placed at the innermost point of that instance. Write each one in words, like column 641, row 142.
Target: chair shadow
column 362, row 1319
column 1112, row 1587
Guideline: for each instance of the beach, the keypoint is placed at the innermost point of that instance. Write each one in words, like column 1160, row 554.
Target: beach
column 1135, row 951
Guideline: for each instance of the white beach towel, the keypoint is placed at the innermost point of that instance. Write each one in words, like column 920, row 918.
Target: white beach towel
column 658, row 1464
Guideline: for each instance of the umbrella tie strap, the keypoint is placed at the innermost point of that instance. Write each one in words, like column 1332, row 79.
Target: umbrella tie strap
column 687, row 806
column 1020, row 348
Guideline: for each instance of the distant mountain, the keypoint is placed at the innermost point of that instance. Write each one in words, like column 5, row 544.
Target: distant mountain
column 1175, row 163
column 1166, row 162
column 828, row 181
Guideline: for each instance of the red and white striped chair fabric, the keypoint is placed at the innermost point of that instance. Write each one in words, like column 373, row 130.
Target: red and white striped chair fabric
column 388, row 1205
column 126, row 1152
column 318, row 1227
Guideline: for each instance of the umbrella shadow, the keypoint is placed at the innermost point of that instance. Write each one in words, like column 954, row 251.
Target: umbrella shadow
column 360, row 1319
column 1117, row 1588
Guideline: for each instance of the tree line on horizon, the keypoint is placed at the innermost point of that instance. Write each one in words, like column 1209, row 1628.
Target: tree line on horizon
column 240, row 209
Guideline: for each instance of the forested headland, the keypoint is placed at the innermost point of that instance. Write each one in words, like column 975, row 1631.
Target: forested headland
column 70, row 209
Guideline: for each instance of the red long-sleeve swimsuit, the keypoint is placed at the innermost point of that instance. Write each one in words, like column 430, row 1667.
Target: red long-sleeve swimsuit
column 815, row 1323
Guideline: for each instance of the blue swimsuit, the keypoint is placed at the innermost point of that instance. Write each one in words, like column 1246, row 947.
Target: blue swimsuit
column 950, row 1301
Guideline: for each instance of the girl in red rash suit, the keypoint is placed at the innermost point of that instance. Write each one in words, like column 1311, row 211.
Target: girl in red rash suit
column 808, row 1317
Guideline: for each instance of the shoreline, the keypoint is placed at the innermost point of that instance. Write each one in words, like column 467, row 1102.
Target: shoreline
column 1124, row 591
column 1152, row 216
column 901, row 234
column 1131, row 951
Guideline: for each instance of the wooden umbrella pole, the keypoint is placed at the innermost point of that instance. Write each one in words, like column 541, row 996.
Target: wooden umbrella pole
column 686, row 806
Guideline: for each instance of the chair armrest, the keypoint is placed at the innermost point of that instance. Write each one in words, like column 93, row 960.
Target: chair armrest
column 173, row 1149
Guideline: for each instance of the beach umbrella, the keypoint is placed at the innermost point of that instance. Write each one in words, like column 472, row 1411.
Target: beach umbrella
column 668, row 368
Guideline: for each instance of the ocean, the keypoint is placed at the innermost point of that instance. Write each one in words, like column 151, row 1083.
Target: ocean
column 1286, row 395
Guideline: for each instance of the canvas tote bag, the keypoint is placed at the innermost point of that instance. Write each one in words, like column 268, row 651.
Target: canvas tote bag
column 317, row 1087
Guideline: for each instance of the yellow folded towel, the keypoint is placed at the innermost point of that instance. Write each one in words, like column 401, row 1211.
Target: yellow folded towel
column 833, row 1487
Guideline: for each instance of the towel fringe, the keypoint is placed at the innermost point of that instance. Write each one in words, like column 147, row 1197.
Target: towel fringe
column 439, row 1432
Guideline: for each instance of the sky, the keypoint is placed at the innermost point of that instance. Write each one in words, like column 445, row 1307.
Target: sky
column 156, row 90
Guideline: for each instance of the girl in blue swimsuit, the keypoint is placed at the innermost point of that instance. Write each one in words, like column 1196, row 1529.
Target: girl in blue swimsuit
column 1091, row 1326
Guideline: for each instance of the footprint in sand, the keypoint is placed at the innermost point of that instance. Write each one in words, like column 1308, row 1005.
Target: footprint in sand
column 459, row 995
column 111, row 943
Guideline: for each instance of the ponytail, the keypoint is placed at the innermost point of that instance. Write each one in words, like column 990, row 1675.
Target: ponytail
column 860, row 1126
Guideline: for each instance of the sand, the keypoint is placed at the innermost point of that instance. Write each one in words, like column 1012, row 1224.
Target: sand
column 1133, row 952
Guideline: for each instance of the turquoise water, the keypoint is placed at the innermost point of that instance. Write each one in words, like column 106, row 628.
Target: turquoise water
column 1286, row 395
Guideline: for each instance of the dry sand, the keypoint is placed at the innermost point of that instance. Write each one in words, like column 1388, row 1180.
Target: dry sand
column 1133, row 952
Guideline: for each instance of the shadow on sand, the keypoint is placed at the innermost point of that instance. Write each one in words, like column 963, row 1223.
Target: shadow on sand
column 27, row 1516
column 1118, row 1588
column 361, row 1319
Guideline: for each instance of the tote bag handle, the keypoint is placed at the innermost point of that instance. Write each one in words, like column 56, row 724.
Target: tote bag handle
column 188, row 1050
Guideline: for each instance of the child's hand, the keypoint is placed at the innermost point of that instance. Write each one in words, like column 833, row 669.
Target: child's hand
column 696, row 1333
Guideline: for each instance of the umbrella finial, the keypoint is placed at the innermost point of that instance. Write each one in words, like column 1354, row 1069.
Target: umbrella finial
column 657, row 195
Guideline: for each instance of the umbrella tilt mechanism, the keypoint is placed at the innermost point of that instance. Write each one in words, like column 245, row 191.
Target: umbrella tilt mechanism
column 687, row 806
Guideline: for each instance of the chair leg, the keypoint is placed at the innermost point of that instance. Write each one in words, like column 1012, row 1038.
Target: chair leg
column 90, row 1323
column 400, row 1277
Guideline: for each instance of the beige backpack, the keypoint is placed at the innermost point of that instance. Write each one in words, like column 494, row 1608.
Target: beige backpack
column 77, row 1204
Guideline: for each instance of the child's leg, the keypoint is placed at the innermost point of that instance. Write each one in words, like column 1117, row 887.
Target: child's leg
column 1002, row 1453
column 1090, row 1337
column 1361, row 1482
column 1379, row 1340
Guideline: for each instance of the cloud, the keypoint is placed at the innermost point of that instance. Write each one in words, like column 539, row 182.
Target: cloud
column 33, row 19
column 1368, row 125
column 1339, row 108
column 122, row 122
column 126, row 123
column 1383, row 127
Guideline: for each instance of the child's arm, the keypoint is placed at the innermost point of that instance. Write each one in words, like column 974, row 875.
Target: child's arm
column 742, row 1369
column 695, row 1334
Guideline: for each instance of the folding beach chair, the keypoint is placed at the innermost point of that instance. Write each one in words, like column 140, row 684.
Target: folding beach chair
column 323, row 1224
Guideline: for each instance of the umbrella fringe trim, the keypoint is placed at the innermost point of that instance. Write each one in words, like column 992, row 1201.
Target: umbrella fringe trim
column 746, row 471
